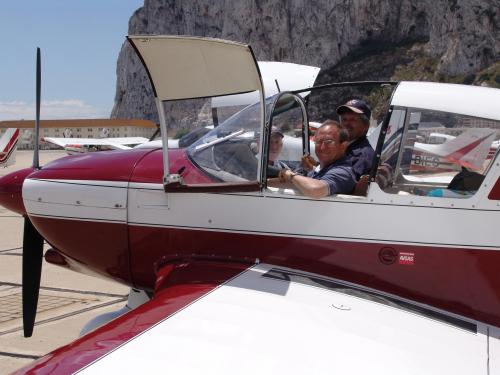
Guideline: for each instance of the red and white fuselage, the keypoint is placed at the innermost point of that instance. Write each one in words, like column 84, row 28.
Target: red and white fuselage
column 398, row 244
column 114, row 218
column 173, row 222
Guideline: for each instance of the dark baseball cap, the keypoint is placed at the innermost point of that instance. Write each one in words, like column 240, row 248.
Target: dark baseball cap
column 356, row 106
column 276, row 130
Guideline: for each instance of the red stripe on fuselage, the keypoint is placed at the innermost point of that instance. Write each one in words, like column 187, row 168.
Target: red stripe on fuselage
column 495, row 191
column 463, row 281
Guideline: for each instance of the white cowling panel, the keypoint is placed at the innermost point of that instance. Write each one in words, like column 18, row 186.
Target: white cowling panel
column 190, row 67
column 76, row 199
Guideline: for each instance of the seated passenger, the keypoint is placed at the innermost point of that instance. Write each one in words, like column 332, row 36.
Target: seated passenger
column 463, row 185
column 355, row 118
column 275, row 147
column 334, row 174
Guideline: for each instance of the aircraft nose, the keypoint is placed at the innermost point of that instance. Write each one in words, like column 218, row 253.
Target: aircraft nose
column 11, row 187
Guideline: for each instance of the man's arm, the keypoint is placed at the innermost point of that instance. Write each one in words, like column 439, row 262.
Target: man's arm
column 306, row 185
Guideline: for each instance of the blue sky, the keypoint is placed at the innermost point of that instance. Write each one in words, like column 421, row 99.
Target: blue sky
column 80, row 41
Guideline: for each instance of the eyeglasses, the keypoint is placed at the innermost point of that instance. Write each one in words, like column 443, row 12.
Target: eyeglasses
column 326, row 142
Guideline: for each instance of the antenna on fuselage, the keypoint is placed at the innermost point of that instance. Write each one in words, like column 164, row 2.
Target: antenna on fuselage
column 36, row 160
column 277, row 85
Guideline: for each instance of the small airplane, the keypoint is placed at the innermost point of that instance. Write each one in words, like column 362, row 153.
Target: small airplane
column 79, row 145
column 447, row 153
column 466, row 150
column 235, row 275
column 8, row 147
column 83, row 145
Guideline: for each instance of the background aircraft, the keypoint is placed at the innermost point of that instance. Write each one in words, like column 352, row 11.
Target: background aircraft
column 444, row 153
column 8, row 147
column 470, row 149
column 83, row 145
column 72, row 145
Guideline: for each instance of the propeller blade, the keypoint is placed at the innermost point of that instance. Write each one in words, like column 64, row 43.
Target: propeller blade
column 32, row 270
column 36, row 161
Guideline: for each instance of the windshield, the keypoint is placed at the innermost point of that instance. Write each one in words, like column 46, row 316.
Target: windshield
column 230, row 151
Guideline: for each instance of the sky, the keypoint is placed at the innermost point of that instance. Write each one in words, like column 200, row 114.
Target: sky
column 79, row 40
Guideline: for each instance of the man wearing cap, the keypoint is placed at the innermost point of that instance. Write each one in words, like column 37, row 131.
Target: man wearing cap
column 355, row 118
column 334, row 174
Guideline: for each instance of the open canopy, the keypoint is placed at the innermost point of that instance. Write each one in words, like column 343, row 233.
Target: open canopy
column 183, row 67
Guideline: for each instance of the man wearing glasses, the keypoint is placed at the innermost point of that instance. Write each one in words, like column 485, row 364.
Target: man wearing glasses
column 334, row 174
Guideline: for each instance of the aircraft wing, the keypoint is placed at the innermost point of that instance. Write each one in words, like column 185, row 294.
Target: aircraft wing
column 126, row 140
column 265, row 319
column 116, row 143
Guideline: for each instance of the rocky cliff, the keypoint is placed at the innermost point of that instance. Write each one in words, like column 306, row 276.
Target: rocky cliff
column 439, row 40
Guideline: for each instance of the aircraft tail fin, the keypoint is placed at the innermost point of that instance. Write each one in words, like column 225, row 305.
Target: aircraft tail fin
column 8, row 147
column 469, row 149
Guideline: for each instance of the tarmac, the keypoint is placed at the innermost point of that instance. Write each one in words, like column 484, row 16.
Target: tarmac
column 67, row 299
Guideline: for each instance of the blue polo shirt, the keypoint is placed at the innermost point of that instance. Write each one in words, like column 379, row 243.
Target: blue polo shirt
column 360, row 154
column 338, row 175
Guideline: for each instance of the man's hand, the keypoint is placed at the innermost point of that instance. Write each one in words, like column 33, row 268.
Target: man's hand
column 308, row 162
column 284, row 175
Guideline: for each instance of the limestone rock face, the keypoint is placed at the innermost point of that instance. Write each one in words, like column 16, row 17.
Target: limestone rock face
column 465, row 35
column 343, row 37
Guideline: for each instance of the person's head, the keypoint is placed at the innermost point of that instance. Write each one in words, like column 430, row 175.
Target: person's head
column 331, row 141
column 275, row 144
column 355, row 117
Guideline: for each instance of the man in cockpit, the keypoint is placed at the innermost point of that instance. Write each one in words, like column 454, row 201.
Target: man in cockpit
column 355, row 118
column 334, row 174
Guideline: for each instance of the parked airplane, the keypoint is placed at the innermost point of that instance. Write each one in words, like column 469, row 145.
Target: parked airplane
column 84, row 145
column 75, row 145
column 443, row 153
column 470, row 149
column 8, row 147
column 239, row 277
